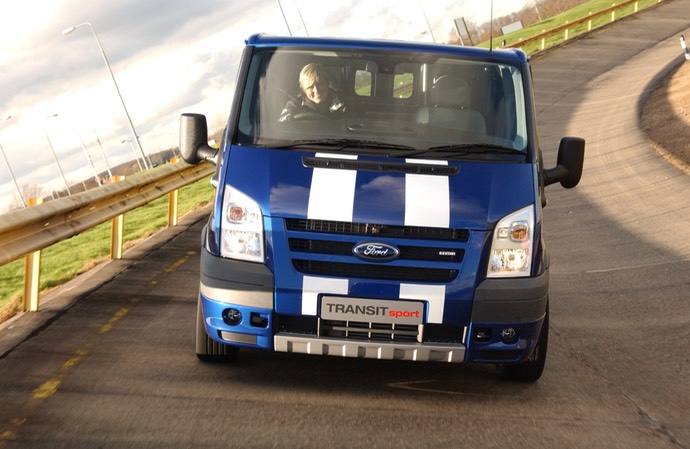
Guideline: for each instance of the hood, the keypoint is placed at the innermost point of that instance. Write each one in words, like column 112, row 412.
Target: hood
column 364, row 189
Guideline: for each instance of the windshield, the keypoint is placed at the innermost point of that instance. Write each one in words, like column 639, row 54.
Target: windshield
column 381, row 100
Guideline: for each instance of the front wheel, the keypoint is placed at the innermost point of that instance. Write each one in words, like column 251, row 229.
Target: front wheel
column 209, row 350
column 531, row 369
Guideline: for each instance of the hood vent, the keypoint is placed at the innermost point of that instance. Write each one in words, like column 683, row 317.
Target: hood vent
column 381, row 167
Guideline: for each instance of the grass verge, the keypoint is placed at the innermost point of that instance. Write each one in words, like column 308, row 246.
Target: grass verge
column 591, row 7
column 64, row 260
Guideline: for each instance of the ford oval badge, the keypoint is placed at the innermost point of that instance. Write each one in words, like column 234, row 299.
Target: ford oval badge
column 376, row 252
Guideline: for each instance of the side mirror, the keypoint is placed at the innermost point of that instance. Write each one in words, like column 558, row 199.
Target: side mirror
column 194, row 145
column 568, row 169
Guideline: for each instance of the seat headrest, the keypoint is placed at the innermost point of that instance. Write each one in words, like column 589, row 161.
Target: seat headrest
column 450, row 91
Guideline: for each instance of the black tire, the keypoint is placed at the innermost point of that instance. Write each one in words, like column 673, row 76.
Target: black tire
column 531, row 369
column 208, row 350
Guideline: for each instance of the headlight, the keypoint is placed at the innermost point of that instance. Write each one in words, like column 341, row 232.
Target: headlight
column 242, row 227
column 511, row 248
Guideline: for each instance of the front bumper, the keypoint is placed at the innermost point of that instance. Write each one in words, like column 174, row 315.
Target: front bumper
column 419, row 352
column 248, row 288
column 507, row 318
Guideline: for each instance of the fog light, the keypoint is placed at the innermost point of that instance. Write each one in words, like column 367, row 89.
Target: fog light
column 509, row 335
column 482, row 335
column 232, row 317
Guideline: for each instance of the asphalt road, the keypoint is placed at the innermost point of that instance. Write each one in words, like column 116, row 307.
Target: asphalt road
column 109, row 362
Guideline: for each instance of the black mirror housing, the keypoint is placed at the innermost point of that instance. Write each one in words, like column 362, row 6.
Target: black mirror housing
column 568, row 169
column 194, row 145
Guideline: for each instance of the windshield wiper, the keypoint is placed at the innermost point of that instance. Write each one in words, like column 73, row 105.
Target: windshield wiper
column 342, row 144
column 462, row 149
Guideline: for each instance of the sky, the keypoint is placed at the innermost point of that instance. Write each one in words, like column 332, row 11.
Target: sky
column 60, row 113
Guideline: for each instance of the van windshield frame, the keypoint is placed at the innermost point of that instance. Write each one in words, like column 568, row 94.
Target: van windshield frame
column 412, row 100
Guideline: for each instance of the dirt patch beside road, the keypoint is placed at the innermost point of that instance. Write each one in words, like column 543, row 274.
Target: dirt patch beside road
column 666, row 118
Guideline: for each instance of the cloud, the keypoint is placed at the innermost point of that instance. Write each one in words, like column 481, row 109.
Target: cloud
column 168, row 57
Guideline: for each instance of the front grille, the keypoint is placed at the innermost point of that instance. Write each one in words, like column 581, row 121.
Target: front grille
column 377, row 230
column 445, row 247
column 370, row 331
column 312, row 325
column 372, row 271
column 321, row 246
column 406, row 252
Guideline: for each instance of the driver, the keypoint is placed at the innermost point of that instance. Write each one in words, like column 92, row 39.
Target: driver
column 315, row 96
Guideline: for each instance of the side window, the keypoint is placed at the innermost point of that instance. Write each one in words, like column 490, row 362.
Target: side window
column 403, row 84
column 363, row 83
column 397, row 83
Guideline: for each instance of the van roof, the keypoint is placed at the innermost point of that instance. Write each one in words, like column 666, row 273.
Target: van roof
column 508, row 55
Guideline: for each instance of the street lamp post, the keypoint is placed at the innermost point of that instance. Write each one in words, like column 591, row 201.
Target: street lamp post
column 105, row 156
column 133, row 152
column 433, row 38
column 67, row 31
column 52, row 150
column 96, row 178
column 9, row 167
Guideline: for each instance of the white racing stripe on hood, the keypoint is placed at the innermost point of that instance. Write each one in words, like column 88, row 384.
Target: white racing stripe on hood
column 331, row 197
column 427, row 203
column 312, row 287
column 332, row 193
column 435, row 295
column 427, row 198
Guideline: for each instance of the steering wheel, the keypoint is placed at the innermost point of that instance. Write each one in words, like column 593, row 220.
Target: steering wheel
column 308, row 116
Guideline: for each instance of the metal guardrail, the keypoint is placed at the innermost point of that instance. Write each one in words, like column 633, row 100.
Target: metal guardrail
column 568, row 26
column 25, row 232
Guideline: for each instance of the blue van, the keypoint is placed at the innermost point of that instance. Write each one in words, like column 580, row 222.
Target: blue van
column 378, row 199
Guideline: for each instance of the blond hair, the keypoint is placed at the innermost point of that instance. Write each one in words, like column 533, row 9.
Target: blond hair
column 312, row 74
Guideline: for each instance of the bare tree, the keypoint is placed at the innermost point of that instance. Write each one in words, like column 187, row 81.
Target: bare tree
column 29, row 191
